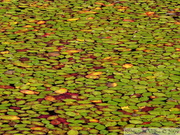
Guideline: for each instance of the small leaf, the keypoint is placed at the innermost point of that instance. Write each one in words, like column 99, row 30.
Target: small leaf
column 152, row 89
column 71, row 113
column 41, row 22
column 128, row 20
column 53, row 54
column 74, row 51
column 73, row 19
column 136, row 121
column 29, row 92
column 149, row 13
column 61, row 91
column 50, row 98
column 100, row 127
column 92, row 76
column 38, row 128
column 94, row 120
column 96, row 73
column 127, row 65
column 159, row 94
column 4, row 52
column 73, row 132
column 55, row 122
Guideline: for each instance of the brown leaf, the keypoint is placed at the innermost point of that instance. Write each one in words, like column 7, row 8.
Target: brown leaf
column 6, row 87
column 112, row 84
column 55, row 122
column 146, row 109
column 50, row 98
column 53, row 54
column 38, row 128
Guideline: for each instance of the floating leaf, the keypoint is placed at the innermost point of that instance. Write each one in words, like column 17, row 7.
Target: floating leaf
column 41, row 22
column 150, row 13
column 9, row 117
column 112, row 84
column 50, row 98
column 159, row 94
column 6, row 87
column 38, row 128
column 28, row 26
column 61, row 91
column 73, row 132
column 125, row 107
column 21, row 64
column 96, row 73
column 53, row 54
column 73, row 19
column 94, row 120
column 128, row 20
column 73, row 51
column 91, row 12
column 96, row 101
column 92, row 76
column 55, row 122
column 99, row 3
column 152, row 89
column 4, row 52
column 29, row 92
column 71, row 113
column 136, row 121
column 100, row 127
column 127, row 65
column 146, row 109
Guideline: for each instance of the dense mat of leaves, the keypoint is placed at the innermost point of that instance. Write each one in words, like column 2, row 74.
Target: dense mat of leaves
column 88, row 67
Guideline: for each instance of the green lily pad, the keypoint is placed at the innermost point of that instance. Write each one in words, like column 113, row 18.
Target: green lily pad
column 71, row 113
column 136, row 121
column 100, row 127
column 159, row 94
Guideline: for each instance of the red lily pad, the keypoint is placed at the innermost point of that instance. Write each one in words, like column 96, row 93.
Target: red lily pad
column 145, row 123
column 61, row 120
column 15, row 107
column 177, row 106
column 55, row 122
column 137, row 95
column 74, row 74
column 58, row 66
column 71, row 59
column 43, row 116
column 146, row 109
column 6, row 87
column 124, row 112
column 22, row 50
column 110, row 76
column 17, row 99
column 41, row 99
column 67, row 96
column 24, row 59
column 99, row 67
column 92, row 57
column 128, row 20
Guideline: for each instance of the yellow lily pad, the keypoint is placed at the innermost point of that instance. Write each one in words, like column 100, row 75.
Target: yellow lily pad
column 73, row 19
column 29, row 92
column 9, row 117
column 4, row 52
column 61, row 91
column 96, row 73
column 127, row 65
